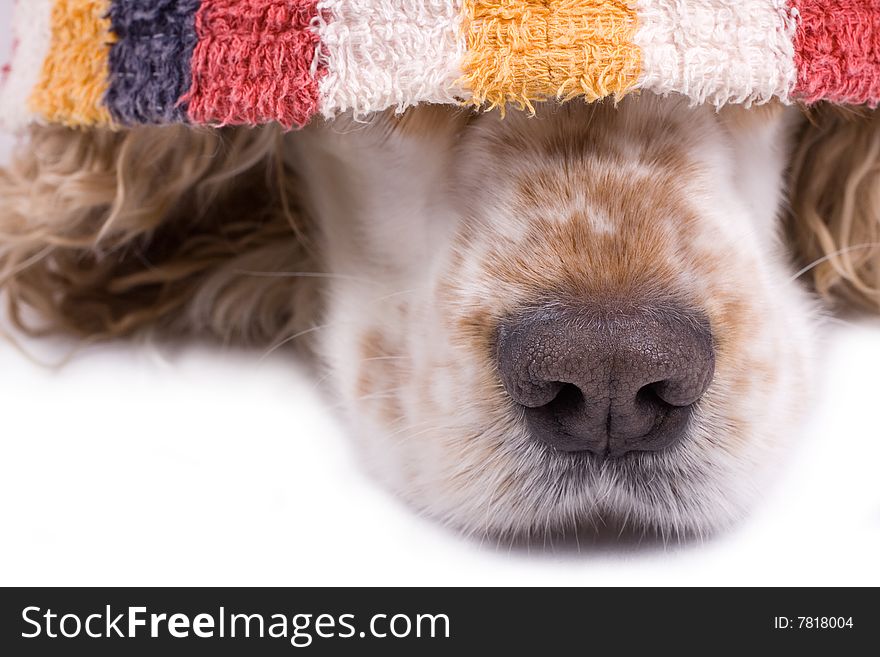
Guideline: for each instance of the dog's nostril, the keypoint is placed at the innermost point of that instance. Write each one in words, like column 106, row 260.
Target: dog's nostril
column 647, row 397
column 649, row 392
column 567, row 400
column 606, row 382
column 653, row 394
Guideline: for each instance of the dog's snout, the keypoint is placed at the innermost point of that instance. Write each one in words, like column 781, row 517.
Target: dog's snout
column 607, row 381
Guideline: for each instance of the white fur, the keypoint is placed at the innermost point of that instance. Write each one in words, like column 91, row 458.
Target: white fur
column 388, row 53
column 718, row 51
column 32, row 31
column 392, row 205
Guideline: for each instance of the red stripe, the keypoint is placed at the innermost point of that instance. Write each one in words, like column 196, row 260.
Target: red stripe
column 837, row 51
column 252, row 64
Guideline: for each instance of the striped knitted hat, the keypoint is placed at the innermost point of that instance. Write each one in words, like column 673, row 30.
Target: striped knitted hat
column 224, row 62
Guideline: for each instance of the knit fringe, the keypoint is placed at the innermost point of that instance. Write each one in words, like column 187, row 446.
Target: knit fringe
column 838, row 51
column 718, row 51
column 253, row 63
column 523, row 51
column 382, row 54
column 75, row 74
column 150, row 61
column 229, row 62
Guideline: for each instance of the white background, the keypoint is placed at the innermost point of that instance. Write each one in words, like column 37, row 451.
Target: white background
column 136, row 465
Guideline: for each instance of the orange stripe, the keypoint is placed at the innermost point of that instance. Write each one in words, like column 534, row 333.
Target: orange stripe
column 522, row 51
column 75, row 75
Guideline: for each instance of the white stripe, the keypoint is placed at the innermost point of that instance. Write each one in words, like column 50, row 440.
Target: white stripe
column 32, row 29
column 388, row 53
column 718, row 51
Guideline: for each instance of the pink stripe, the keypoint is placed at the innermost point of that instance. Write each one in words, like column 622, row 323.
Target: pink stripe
column 253, row 62
column 837, row 51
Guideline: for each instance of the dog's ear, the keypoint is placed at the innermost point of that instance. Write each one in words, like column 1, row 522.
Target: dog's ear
column 834, row 194
column 103, row 233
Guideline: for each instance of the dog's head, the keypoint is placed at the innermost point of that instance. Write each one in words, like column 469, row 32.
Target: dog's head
column 586, row 313
column 532, row 322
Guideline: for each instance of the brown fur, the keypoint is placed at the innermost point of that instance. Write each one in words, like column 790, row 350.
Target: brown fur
column 105, row 233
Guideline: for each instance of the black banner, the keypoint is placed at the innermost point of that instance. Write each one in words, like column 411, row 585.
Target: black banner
column 430, row 621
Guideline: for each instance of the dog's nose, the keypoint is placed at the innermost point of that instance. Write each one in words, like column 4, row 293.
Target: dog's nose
column 606, row 381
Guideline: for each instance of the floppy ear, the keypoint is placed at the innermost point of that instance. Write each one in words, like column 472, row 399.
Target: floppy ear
column 834, row 219
column 104, row 233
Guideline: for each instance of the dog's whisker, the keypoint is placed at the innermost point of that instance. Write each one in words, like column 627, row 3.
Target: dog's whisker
column 293, row 337
column 304, row 274
column 382, row 394
column 400, row 293
column 375, row 358
column 831, row 256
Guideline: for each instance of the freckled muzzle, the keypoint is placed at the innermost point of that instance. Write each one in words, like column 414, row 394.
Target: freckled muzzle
column 606, row 380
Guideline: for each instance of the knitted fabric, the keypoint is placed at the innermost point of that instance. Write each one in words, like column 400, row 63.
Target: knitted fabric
column 520, row 51
column 717, row 51
column 253, row 63
column 389, row 53
column 838, row 51
column 75, row 73
column 32, row 35
column 223, row 62
column 149, row 63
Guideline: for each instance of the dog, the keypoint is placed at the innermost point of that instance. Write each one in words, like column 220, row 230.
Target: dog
column 598, row 312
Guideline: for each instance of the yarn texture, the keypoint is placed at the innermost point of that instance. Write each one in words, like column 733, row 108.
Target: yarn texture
column 389, row 53
column 718, row 51
column 32, row 35
column 253, row 63
column 149, row 63
column 119, row 63
column 521, row 51
column 75, row 73
column 838, row 51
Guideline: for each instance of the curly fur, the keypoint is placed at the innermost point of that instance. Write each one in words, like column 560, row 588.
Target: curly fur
column 105, row 233
column 834, row 223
